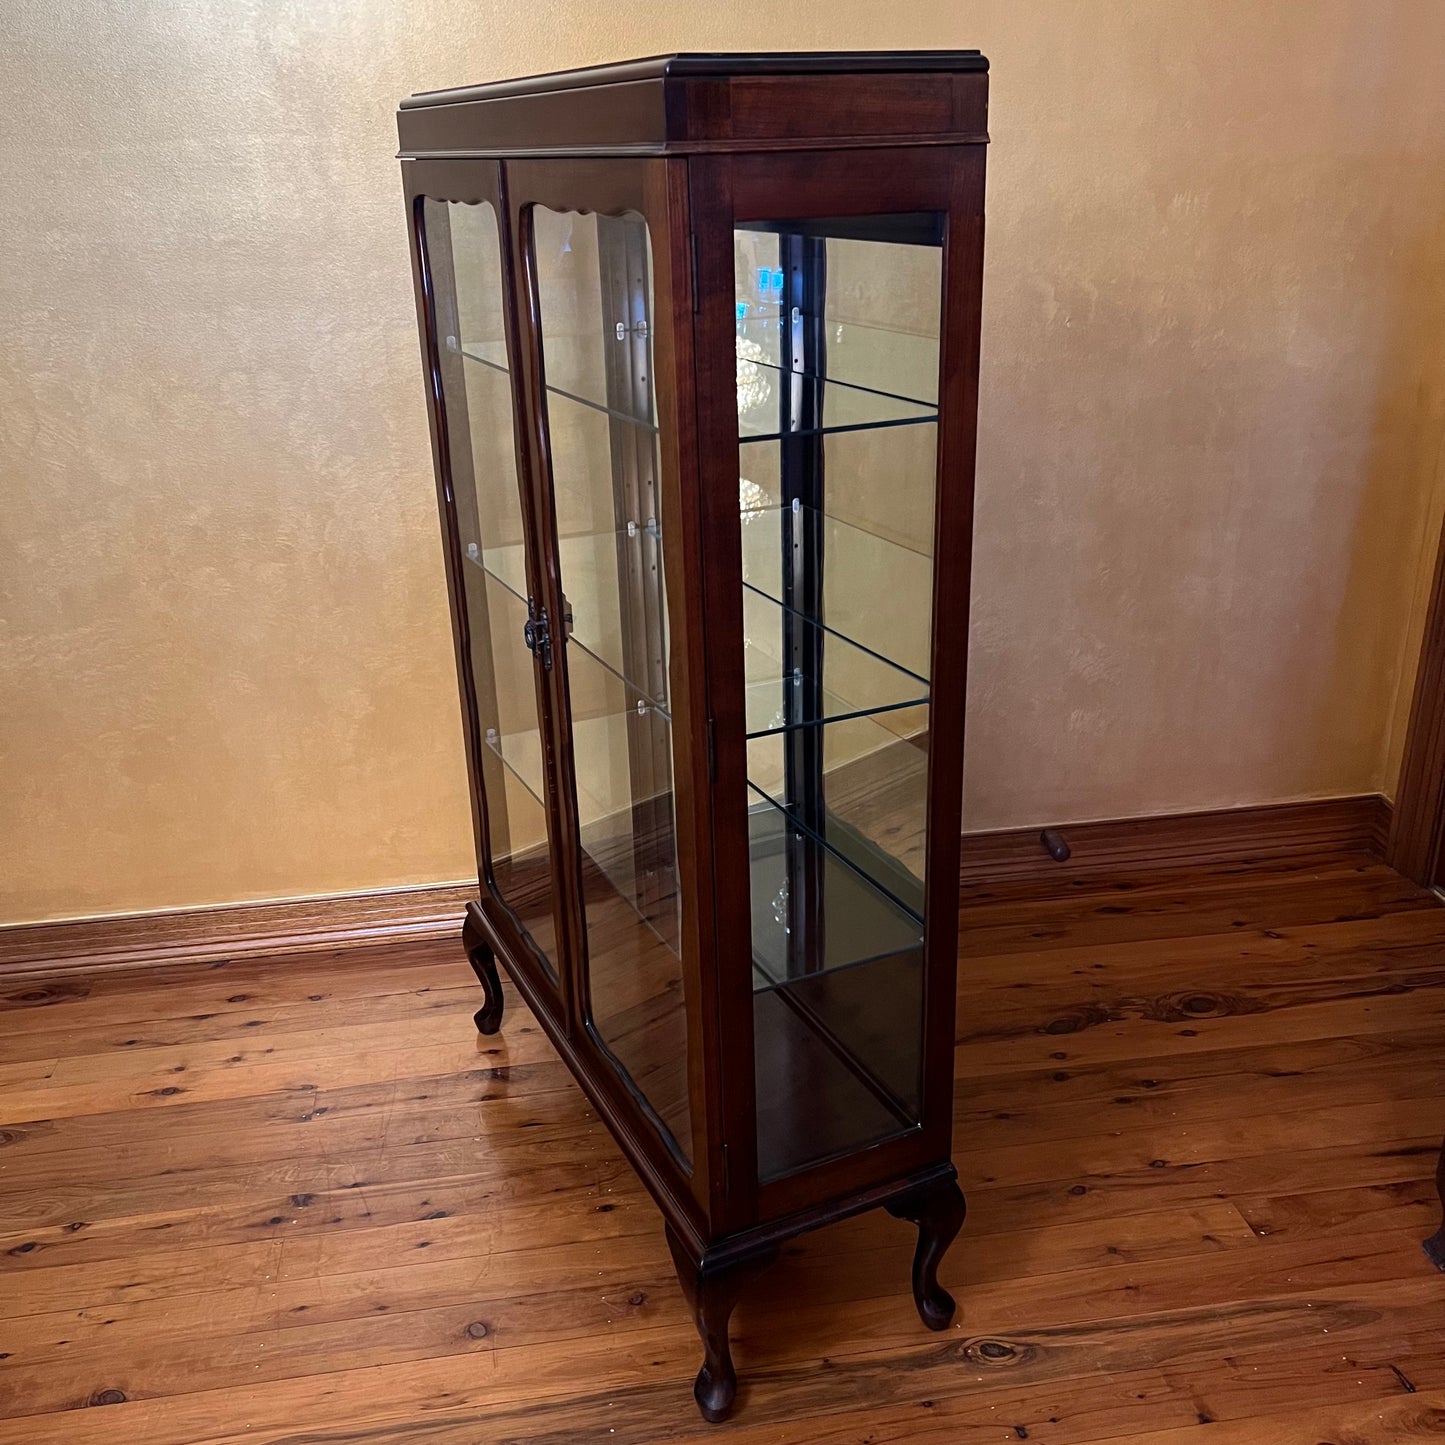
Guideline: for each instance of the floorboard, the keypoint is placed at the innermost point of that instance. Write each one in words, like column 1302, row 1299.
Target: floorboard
column 289, row 1201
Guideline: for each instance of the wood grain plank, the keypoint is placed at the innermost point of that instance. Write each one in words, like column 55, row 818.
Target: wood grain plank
column 1382, row 1421
column 1191, row 907
column 1198, row 1115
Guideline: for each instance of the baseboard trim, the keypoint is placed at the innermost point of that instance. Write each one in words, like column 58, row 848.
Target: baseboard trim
column 1119, row 847
column 235, row 930
column 1319, row 828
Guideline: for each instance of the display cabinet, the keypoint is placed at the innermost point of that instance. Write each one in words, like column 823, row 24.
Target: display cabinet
column 700, row 339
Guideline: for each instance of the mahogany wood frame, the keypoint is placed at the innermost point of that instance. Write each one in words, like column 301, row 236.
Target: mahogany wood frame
column 609, row 186
column 697, row 145
column 729, row 190
column 476, row 183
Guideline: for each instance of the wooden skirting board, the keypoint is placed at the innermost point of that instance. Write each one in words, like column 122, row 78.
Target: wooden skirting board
column 1321, row 828
column 235, row 930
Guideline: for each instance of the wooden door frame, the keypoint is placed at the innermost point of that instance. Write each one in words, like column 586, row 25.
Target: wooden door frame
column 780, row 186
column 655, row 189
column 473, row 182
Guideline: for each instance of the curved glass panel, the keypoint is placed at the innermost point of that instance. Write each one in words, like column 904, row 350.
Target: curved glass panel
column 837, row 376
column 464, row 254
column 594, row 293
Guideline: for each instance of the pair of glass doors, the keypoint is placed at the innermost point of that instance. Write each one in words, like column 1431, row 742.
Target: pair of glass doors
column 557, row 454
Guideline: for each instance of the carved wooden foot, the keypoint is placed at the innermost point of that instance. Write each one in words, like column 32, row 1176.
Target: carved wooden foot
column 711, row 1295
column 488, row 1018
column 1435, row 1245
column 938, row 1212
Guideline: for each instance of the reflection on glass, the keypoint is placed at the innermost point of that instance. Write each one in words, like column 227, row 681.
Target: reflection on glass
column 464, row 254
column 837, row 380
column 875, row 793
column 778, row 643
column 594, row 291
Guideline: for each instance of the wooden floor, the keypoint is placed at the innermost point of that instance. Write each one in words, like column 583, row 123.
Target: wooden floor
column 301, row 1201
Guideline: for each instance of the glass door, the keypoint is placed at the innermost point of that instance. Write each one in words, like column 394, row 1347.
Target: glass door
column 837, row 354
column 592, row 285
column 496, row 587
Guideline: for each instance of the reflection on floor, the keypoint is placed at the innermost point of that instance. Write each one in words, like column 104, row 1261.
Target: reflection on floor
column 300, row 1199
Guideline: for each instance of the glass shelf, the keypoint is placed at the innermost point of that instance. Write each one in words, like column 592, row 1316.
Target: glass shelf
column 489, row 353
column 837, row 1046
column 775, row 700
column 506, row 565
column 872, row 792
column 604, row 809
column 576, row 374
column 521, row 753
column 845, row 408
column 763, row 545
column 869, row 376
column 855, row 921
column 846, row 405
column 603, row 736
column 589, row 565
column 901, row 364
column 837, row 1062
column 853, row 559
column 855, row 681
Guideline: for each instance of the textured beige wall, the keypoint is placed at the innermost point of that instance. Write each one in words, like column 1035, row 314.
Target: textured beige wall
column 1212, row 411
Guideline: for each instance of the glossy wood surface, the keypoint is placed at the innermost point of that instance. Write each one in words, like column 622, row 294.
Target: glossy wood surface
column 798, row 187
column 301, row 1199
column 693, row 144
column 616, row 188
column 693, row 104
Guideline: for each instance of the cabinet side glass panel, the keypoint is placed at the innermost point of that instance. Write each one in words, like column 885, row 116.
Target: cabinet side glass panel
column 464, row 256
column 837, row 381
column 593, row 277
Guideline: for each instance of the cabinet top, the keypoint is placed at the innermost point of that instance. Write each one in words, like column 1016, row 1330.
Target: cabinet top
column 745, row 100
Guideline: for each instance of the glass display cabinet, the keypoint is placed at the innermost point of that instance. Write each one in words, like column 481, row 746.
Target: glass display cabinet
column 700, row 339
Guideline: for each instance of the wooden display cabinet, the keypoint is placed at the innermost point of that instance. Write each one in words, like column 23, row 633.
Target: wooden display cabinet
column 700, row 338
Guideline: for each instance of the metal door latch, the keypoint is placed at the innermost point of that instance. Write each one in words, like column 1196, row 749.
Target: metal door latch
column 537, row 634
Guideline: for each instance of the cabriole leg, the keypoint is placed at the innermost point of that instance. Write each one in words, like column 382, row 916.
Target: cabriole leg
column 488, row 1018
column 711, row 1295
column 938, row 1212
column 1435, row 1245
